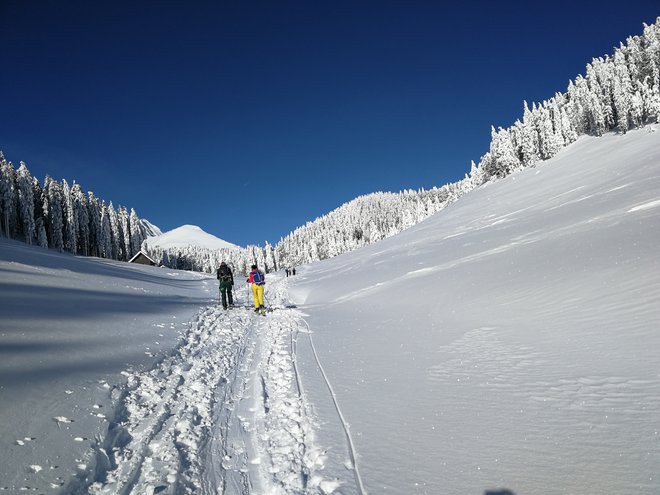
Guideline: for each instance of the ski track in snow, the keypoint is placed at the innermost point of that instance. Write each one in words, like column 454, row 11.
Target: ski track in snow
column 224, row 413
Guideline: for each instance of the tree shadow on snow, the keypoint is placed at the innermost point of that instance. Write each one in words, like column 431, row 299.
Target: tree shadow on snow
column 48, row 332
column 16, row 252
column 36, row 302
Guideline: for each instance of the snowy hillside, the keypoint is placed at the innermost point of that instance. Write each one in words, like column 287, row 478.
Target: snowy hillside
column 510, row 341
column 186, row 236
column 508, row 344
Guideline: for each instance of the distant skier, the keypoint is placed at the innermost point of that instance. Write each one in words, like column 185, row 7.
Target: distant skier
column 226, row 278
column 287, row 272
column 257, row 279
column 293, row 272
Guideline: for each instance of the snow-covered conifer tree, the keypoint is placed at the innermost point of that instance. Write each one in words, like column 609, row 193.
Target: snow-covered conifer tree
column 548, row 143
column 503, row 157
column 82, row 219
column 622, row 92
column 124, row 223
column 136, row 234
column 105, row 234
column 95, row 225
column 24, row 183
column 116, row 235
column 39, row 219
column 70, row 219
column 8, row 200
column 53, row 213
column 529, row 142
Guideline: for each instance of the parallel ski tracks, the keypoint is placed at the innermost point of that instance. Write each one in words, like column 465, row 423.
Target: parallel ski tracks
column 226, row 412
column 347, row 431
column 164, row 414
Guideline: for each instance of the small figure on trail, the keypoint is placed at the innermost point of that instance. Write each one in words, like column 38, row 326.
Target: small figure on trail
column 226, row 278
column 287, row 271
column 293, row 272
column 257, row 279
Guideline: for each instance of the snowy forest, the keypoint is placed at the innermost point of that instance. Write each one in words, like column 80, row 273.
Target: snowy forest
column 64, row 218
column 617, row 92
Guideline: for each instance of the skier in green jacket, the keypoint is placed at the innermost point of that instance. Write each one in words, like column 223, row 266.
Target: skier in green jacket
column 226, row 278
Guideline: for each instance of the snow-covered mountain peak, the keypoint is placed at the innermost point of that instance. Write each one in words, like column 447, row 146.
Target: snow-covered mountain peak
column 188, row 235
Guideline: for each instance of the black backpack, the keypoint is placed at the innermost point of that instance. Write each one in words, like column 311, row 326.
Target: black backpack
column 224, row 273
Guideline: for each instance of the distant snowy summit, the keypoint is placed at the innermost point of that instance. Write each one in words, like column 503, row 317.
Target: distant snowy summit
column 188, row 235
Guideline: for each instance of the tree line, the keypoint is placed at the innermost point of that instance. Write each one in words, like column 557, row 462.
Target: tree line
column 62, row 217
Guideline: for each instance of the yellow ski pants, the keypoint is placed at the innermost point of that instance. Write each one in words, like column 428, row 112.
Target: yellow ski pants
column 258, row 293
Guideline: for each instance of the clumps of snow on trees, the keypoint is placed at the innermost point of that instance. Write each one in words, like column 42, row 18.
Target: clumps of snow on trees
column 618, row 92
column 64, row 218
column 208, row 260
column 360, row 222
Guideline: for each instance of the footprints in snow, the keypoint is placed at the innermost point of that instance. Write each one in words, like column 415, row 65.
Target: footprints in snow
column 24, row 441
column 38, row 473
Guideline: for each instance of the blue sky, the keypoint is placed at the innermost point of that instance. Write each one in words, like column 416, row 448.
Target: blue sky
column 250, row 118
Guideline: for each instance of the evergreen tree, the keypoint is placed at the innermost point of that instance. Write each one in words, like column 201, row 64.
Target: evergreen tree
column 70, row 219
column 8, row 200
column 503, row 159
column 24, row 183
column 529, row 142
column 136, row 234
column 96, row 233
column 39, row 219
column 53, row 213
column 81, row 213
column 105, row 240
column 116, row 237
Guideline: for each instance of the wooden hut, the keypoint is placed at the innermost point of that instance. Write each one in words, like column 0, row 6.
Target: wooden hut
column 142, row 259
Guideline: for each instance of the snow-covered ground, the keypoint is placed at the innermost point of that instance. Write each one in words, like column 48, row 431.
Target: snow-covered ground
column 121, row 378
column 510, row 341
column 69, row 327
column 509, row 344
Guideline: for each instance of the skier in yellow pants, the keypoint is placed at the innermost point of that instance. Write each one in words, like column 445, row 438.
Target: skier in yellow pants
column 257, row 279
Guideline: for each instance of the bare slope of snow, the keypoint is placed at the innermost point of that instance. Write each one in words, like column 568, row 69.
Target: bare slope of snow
column 510, row 341
column 188, row 235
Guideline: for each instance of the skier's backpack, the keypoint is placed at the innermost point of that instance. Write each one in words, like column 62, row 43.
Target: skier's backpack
column 259, row 278
column 224, row 273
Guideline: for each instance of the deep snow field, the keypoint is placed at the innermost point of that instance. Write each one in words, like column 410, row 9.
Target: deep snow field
column 508, row 344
